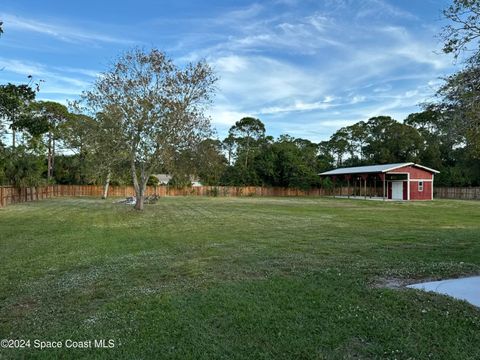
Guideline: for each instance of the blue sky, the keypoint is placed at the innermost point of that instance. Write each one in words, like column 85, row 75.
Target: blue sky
column 305, row 68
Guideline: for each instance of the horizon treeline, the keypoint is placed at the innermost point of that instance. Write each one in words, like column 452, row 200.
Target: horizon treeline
column 247, row 156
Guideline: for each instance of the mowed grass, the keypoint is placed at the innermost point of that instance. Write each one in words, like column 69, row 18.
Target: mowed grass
column 239, row 278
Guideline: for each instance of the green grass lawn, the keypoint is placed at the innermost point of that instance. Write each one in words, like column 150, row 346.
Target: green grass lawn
column 239, row 278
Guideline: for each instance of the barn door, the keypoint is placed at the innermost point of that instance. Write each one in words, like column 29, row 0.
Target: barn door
column 397, row 190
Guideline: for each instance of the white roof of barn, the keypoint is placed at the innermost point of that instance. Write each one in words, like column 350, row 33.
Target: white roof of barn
column 374, row 169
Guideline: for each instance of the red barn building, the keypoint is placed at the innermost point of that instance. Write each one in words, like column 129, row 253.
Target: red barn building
column 403, row 181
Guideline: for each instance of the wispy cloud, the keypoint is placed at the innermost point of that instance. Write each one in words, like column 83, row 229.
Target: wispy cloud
column 382, row 9
column 242, row 14
column 409, row 46
column 74, row 70
column 299, row 105
column 60, row 32
column 261, row 85
column 53, row 80
column 370, row 9
column 262, row 78
column 304, row 35
column 224, row 117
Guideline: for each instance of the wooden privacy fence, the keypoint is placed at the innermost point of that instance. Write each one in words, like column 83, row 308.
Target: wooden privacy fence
column 13, row 195
column 462, row 193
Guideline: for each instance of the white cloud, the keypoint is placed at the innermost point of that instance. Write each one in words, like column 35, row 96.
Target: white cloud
column 245, row 13
column 283, row 32
column 231, row 64
column 60, row 32
column 297, row 106
column 256, row 80
column 336, row 124
column 38, row 70
column 384, row 108
column 411, row 48
column 383, row 88
column 381, row 9
column 225, row 117
column 86, row 72
column 357, row 99
column 53, row 81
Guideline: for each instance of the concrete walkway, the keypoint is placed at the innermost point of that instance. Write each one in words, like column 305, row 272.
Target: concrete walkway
column 463, row 289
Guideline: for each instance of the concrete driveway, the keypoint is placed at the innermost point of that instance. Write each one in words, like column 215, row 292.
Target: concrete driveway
column 463, row 289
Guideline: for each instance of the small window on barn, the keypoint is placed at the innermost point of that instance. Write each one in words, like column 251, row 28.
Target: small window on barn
column 420, row 186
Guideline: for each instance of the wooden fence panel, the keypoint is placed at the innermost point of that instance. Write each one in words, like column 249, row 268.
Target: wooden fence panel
column 461, row 193
column 11, row 195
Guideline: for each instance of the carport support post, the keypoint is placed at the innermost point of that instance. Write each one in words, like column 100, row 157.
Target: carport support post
column 333, row 180
column 365, row 187
column 348, row 185
column 364, row 177
column 382, row 177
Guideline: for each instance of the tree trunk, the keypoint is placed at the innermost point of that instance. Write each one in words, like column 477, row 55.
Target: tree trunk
column 49, row 158
column 140, row 186
column 13, row 138
column 140, row 195
column 106, row 185
column 139, row 202
column 52, row 174
column 248, row 150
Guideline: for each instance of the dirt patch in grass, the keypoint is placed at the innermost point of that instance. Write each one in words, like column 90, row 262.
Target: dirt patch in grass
column 389, row 283
column 396, row 283
column 401, row 283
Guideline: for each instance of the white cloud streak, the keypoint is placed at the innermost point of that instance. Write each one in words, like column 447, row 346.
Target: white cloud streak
column 59, row 32
column 53, row 81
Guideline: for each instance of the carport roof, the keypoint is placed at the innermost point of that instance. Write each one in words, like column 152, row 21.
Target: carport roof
column 373, row 169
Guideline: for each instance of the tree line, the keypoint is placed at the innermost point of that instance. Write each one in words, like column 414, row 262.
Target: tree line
column 145, row 115
column 428, row 137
